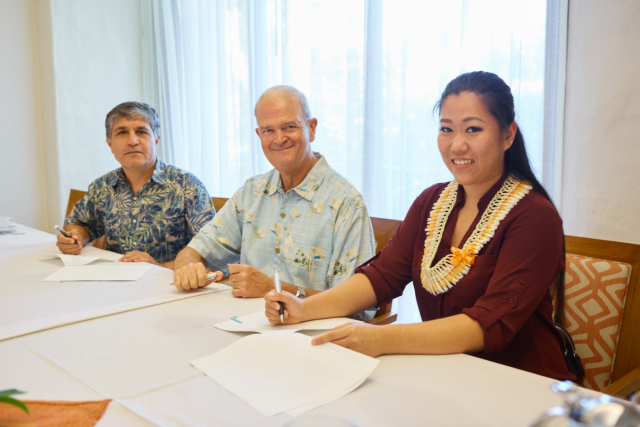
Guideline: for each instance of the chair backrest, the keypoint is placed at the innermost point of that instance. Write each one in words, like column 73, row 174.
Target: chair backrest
column 218, row 202
column 383, row 230
column 602, row 307
column 74, row 196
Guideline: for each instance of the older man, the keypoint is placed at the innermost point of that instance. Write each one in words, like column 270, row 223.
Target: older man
column 147, row 209
column 301, row 218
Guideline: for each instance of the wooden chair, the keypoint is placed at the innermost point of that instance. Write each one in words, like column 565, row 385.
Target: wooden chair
column 599, row 261
column 218, row 202
column 383, row 230
column 74, row 196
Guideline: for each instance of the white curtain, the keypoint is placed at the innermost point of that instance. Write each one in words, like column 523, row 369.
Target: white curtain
column 372, row 70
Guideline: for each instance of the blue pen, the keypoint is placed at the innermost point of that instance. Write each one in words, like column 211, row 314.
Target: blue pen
column 64, row 233
column 278, row 285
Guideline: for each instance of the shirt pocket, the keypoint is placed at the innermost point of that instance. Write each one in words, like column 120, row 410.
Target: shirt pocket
column 307, row 264
column 172, row 226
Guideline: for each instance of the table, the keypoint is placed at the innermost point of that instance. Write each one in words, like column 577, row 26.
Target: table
column 140, row 359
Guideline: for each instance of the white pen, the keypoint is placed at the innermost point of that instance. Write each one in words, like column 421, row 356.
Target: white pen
column 278, row 285
column 210, row 276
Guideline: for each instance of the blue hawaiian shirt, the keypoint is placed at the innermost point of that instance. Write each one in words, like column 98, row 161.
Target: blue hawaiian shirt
column 314, row 235
column 161, row 219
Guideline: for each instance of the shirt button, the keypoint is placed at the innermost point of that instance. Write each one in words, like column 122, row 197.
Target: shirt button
column 282, row 215
column 511, row 300
column 134, row 221
column 522, row 282
column 277, row 250
column 135, row 243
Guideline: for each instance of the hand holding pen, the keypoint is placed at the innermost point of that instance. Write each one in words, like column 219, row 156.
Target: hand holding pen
column 194, row 276
column 283, row 307
column 68, row 242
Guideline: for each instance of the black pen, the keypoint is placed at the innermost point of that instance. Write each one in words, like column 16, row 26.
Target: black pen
column 278, row 285
column 64, row 233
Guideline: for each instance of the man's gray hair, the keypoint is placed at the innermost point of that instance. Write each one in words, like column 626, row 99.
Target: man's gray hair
column 289, row 92
column 131, row 111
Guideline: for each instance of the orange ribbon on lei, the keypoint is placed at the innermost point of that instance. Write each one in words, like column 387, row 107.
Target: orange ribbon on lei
column 460, row 255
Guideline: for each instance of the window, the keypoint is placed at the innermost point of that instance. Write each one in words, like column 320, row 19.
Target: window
column 372, row 71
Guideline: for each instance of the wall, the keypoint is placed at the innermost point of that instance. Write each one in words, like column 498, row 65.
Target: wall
column 22, row 174
column 98, row 64
column 601, row 171
column 65, row 64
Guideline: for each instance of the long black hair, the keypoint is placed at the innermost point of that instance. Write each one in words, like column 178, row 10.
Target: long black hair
column 496, row 96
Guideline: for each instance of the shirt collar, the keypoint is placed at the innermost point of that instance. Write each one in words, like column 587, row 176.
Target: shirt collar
column 308, row 188
column 159, row 175
column 484, row 200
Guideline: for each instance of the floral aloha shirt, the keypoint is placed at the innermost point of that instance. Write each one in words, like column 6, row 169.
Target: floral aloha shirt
column 314, row 235
column 161, row 219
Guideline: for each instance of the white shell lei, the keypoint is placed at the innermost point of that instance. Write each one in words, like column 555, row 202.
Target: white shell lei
column 441, row 277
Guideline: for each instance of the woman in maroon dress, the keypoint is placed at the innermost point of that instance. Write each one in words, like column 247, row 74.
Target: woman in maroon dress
column 482, row 251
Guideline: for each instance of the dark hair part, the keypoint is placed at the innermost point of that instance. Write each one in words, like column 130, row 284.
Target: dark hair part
column 496, row 96
column 133, row 110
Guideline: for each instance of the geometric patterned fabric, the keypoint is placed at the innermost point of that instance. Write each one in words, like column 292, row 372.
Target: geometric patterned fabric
column 595, row 292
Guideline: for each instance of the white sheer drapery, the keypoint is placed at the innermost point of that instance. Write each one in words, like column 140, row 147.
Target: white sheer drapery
column 372, row 70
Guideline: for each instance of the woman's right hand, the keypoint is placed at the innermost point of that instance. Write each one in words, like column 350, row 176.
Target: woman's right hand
column 293, row 308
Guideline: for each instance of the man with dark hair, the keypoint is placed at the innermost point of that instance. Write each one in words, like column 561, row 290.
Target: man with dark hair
column 148, row 210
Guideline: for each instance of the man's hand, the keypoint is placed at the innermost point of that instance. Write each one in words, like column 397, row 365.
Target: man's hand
column 137, row 256
column 193, row 276
column 360, row 337
column 68, row 245
column 293, row 308
column 248, row 281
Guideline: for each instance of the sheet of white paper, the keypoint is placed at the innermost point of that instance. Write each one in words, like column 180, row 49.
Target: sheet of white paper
column 306, row 408
column 78, row 260
column 257, row 322
column 75, row 260
column 99, row 253
column 100, row 273
column 302, row 409
column 261, row 370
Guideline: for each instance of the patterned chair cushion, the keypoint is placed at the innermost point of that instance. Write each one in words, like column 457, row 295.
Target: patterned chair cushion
column 595, row 292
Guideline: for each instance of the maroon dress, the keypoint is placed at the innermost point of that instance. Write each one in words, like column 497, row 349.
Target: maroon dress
column 506, row 290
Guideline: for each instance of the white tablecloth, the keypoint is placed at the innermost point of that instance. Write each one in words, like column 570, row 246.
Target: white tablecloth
column 27, row 304
column 141, row 360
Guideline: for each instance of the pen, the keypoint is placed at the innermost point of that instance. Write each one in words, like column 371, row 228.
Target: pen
column 278, row 285
column 210, row 276
column 64, row 233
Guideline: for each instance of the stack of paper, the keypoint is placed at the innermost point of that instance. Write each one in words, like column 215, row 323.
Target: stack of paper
column 277, row 373
column 101, row 272
column 257, row 322
column 78, row 260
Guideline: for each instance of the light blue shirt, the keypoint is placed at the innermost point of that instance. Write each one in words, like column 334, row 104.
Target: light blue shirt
column 314, row 235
